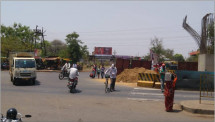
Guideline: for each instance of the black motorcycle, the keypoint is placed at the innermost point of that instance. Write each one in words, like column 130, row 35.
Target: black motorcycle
column 72, row 84
column 63, row 74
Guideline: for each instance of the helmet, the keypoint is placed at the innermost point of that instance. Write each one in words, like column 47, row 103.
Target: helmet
column 11, row 113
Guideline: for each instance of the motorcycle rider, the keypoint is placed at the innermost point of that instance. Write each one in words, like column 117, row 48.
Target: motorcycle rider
column 11, row 114
column 66, row 67
column 73, row 73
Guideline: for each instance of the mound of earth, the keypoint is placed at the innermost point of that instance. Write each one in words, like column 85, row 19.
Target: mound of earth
column 131, row 75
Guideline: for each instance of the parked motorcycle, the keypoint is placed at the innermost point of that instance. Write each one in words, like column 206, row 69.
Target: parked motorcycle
column 63, row 74
column 13, row 116
column 72, row 84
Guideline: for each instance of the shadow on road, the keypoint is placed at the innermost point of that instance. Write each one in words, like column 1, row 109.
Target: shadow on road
column 76, row 91
column 176, row 111
column 27, row 83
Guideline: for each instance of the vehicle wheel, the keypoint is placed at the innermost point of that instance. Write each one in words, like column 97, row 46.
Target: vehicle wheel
column 14, row 81
column 61, row 76
column 71, row 90
column 33, row 81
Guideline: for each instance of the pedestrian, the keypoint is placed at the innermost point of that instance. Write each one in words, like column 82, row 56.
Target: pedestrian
column 102, row 71
column 169, row 90
column 95, row 69
column 98, row 71
column 162, row 76
column 112, row 71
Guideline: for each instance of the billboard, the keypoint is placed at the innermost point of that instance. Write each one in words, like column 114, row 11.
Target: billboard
column 103, row 51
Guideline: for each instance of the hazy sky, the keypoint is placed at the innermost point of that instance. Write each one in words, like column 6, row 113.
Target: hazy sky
column 127, row 26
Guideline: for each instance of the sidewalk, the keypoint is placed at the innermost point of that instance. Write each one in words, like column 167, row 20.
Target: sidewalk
column 193, row 106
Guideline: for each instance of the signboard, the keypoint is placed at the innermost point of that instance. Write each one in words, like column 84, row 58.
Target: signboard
column 103, row 51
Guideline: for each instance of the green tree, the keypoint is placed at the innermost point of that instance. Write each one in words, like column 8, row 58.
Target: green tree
column 16, row 38
column 55, row 47
column 179, row 57
column 75, row 49
column 157, row 47
column 211, row 38
column 9, row 44
column 169, row 54
column 146, row 57
column 192, row 58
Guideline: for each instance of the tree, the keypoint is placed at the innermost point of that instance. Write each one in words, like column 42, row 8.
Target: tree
column 179, row 57
column 169, row 54
column 16, row 38
column 146, row 57
column 157, row 47
column 9, row 44
column 211, row 38
column 55, row 47
column 192, row 58
column 75, row 50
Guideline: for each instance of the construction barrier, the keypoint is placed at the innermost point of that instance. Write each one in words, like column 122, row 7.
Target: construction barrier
column 206, row 86
column 149, row 78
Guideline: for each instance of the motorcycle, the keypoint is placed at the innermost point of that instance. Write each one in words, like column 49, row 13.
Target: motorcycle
column 72, row 84
column 13, row 116
column 63, row 74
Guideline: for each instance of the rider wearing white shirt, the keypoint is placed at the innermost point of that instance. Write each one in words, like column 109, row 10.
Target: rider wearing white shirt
column 73, row 73
column 113, row 72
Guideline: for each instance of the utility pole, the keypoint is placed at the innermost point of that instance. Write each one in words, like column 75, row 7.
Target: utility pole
column 38, row 32
column 44, row 45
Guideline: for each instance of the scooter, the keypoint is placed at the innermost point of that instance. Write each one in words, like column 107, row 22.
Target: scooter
column 13, row 116
column 72, row 84
column 63, row 74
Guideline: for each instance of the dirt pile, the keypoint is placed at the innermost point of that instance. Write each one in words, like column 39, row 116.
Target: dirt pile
column 131, row 75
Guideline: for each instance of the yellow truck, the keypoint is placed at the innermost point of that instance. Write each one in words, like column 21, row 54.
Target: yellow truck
column 22, row 67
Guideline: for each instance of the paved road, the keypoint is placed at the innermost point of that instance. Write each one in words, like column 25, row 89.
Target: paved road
column 50, row 100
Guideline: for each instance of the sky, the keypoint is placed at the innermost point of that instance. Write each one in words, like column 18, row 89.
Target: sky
column 126, row 26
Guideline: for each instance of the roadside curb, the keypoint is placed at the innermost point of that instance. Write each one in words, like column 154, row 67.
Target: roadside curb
column 192, row 107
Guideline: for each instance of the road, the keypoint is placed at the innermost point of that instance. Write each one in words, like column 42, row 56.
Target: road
column 50, row 100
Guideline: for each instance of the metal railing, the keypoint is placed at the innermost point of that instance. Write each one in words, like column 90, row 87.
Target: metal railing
column 206, row 86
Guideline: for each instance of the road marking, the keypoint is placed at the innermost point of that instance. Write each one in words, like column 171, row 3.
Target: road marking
column 146, row 94
column 142, row 99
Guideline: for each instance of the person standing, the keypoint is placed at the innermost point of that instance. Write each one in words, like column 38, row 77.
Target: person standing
column 98, row 71
column 162, row 76
column 169, row 90
column 102, row 71
column 113, row 72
